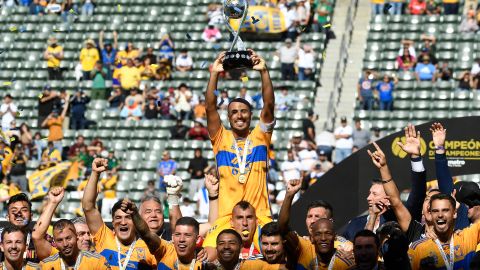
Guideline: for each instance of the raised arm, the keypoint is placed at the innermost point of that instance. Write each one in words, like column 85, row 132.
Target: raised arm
column 100, row 40
column 65, row 107
column 152, row 240
column 115, row 40
column 212, row 184
column 174, row 188
column 213, row 118
column 391, row 190
column 293, row 186
column 267, row 114
column 42, row 246
column 92, row 215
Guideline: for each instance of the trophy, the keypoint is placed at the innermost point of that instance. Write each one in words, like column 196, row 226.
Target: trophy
column 236, row 9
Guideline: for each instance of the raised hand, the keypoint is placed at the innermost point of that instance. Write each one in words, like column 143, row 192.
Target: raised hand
column 258, row 61
column 378, row 157
column 99, row 165
column 212, row 185
column 379, row 206
column 217, row 65
column 412, row 141
column 293, row 186
column 55, row 195
column 128, row 207
column 438, row 134
column 174, row 184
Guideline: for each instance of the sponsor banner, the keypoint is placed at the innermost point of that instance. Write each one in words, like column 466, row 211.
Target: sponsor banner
column 346, row 185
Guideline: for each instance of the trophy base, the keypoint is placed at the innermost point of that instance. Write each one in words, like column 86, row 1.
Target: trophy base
column 237, row 60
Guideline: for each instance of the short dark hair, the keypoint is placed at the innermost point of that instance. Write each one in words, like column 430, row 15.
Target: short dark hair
column 241, row 100
column 20, row 197
column 270, row 229
column 11, row 229
column 62, row 224
column 189, row 221
column 443, row 196
column 434, row 190
column 367, row 233
column 376, row 181
column 231, row 231
column 244, row 205
column 115, row 207
column 322, row 204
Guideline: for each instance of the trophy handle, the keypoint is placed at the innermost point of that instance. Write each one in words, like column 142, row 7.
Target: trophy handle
column 237, row 33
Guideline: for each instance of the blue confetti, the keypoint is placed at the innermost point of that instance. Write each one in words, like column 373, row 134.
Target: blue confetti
column 216, row 92
column 216, row 46
column 22, row 29
column 254, row 21
column 188, row 36
column 204, row 63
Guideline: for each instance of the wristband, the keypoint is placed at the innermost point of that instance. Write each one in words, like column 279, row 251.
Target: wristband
column 387, row 181
column 212, row 198
column 173, row 200
column 439, row 148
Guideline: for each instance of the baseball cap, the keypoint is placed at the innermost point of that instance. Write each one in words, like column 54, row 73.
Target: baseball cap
column 468, row 193
column 288, row 40
column 322, row 153
column 297, row 134
column 343, row 119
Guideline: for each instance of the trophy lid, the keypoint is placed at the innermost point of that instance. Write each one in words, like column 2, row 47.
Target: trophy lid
column 234, row 9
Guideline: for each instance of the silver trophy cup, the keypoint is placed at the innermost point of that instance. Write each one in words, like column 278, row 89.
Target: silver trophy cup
column 236, row 9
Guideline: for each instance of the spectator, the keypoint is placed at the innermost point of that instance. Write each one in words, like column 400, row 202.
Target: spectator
column 417, row 7
column 18, row 170
column 26, row 138
column 63, row 99
column 39, row 146
column 365, row 91
column 396, row 7
column 184, row 62
column 377, row 134
column 200, row 111
column 296, row 143
column 151, row 190
column 445, row 72
column 165, row 167
column 109, row 52
column 99, row 75
column 325, row 142
column 288, row 54
column 291, row 21
column 433, row 8
column 179, row 131
column 130, row 52
column 377, row 6
column 211, row 34
column 466, row 82
column 201, row 197
column 54, row 55
column 151, row 110
column 284, row 101
column 385, row 92
column 164, row 70
column 308, row 127
column 69, row 10
column 307, row 155
column 405, row 62
column 426, row 53
column 78, row 105
column 36, row 8
column 116, row 99
column 325, row 164
column 365, row 249
column 131, row 111
column 306, row 62
column 475, row 67
column 243, row 94
column 469, row 23
column 291, row 169
column 425, row 71
column 147, row 70
column 54, row 123
column 88, row 57
column 79, row 142
column 150, row 55
column 196, row 168
column 165, row 108
column 429, row 42
column 53, row 8
column 360, row 137
column 450, row 7
column 51, row 153
column 198, row 132
column 88, row 7
column 344, row 143
column 129, row 76
column 8, row 111
column 321, row 15
column 183, row 97
column 223, row 100
column 214, row 14
column 303, row 13
column 312, row 176
column 410, row 45
column 167, row 48
column 136, row 97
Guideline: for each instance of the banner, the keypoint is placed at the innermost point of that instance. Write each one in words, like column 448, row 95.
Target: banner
column 54, row 175
column 346, row 185
column 270, row 21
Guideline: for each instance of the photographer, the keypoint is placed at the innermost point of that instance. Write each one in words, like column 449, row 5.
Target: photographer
column 79, row 107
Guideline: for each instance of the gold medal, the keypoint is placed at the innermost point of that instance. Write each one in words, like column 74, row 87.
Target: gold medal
column 242, row 179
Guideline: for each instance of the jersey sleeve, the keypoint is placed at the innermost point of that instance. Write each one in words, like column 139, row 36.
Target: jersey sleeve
column 164, row 251
column 100, row 238
column 217, row 138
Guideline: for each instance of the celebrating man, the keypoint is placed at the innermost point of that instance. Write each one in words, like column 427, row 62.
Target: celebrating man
column 120, row 247
column 69, row 255
column 241, row 155
column 13, row 247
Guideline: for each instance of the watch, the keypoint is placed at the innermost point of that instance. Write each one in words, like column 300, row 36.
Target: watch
column 439, row 148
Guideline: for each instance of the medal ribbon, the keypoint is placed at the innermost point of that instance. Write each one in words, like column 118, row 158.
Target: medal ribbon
column 451, row 261
column 330, row 265
column 127, row 256
column 192, row 265
column 77, row 262
column 242, row 161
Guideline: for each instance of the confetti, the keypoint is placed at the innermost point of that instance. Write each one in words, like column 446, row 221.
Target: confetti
column 302, row 28
column 216, row 46
column 386, row 7
column 7, row 83
column 72, row 11
column 13, row 29
column 2, row 51
column 216, row 92
column 22, row 29
column 204, row 63
column 19, row 114
column 245, row 79
column 40, row 96
column 327, row 26
column 119, row 8
column 254, row 21
column 45, row 139
column 153, row 65
column 324, row 55
column 12, row 139
column 188, row 36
